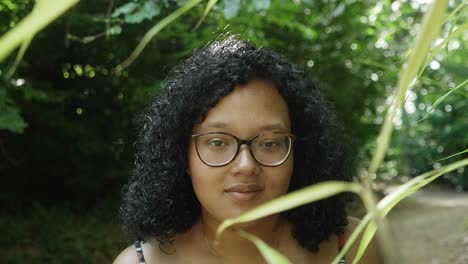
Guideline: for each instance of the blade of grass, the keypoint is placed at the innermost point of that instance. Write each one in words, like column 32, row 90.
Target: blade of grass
column 43, row 13
column 429, row 29
column 386, row 67
column 460, row 6
column 388, row 202
column 153, row 32
column 297, row 198
column 18, row 58
column 453, row 155
column 427, row 80
column 441, row 99
column 353, row 237
column 454, row 24
column 457, row 32
column 402, row 192
column 209, row 6
column 368, row 217
column 269, row 254
column 365, row 241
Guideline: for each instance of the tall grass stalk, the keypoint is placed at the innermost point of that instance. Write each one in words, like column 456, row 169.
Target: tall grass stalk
column 429, row 30
column 208, row 8
column 388, row 202
column 19, row 57
column 441, row 99
column 43, row 13
column 154, row 31
column 376, row 212
column 294, row 199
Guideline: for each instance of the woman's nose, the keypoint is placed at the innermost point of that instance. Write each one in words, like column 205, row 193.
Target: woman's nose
column 245, row 163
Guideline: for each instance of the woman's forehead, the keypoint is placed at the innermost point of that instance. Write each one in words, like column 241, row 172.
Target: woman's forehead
column 255, row 106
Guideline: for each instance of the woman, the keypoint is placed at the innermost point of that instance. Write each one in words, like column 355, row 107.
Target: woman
column 234, row 126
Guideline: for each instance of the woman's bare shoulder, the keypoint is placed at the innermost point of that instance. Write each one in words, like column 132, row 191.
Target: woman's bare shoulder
column 152, row 252
column 372, row 254
column 127, row 256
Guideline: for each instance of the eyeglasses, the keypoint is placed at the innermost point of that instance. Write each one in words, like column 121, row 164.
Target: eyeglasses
column 218, row 148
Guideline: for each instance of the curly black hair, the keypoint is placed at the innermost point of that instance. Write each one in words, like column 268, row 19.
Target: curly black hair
column 159, row 201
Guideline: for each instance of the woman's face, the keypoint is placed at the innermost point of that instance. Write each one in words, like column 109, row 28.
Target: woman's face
column 242, row 184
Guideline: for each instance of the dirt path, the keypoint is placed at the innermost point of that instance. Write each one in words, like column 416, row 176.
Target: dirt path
column 432, row 227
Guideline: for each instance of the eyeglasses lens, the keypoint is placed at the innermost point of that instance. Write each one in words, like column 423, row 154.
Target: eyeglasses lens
column 269, row 149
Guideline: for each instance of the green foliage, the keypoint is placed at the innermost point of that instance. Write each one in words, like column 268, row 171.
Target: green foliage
column 134, row 12
column 40, row 17
column 42, row 234
column 10, row 118
column 418, row 145
column 66, row 115
column 11, row 12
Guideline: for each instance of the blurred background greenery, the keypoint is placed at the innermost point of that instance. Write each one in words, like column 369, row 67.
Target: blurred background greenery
column 66, row 118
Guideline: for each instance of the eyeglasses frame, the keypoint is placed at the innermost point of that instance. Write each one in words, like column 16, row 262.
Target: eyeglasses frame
column 247, row 142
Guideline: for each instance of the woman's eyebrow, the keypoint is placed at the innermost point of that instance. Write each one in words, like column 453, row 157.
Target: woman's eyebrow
column 218, row 124
column 215, row 124
column 274, row 126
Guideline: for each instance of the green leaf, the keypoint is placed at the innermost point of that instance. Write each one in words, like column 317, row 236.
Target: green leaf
column 353, row 236
column 453, row 155
column 441, row 99
column 433, row 52
column 258, row 5
column 154, row 31
column 231, row 8
column 271, row 255
column 209, row 6
column 10, row 117
column 135, row 13
column 365, row 241
column 115, row 30
column 338, row 10
column 125, row 9
column 453, row 13
column 292, row 200
column 307, row 32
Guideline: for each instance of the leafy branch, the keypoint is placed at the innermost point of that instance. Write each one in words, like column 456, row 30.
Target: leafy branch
column 39, row 18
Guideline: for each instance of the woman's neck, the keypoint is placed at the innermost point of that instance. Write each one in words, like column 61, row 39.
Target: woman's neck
column 232, row 245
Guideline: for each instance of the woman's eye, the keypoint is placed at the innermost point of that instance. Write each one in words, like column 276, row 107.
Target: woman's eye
column 269, row 144
column 217, row 143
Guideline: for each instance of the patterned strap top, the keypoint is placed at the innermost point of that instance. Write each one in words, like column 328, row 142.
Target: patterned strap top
column 339, row 235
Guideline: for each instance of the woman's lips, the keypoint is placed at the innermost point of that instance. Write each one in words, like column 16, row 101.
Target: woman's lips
column 244, row 192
